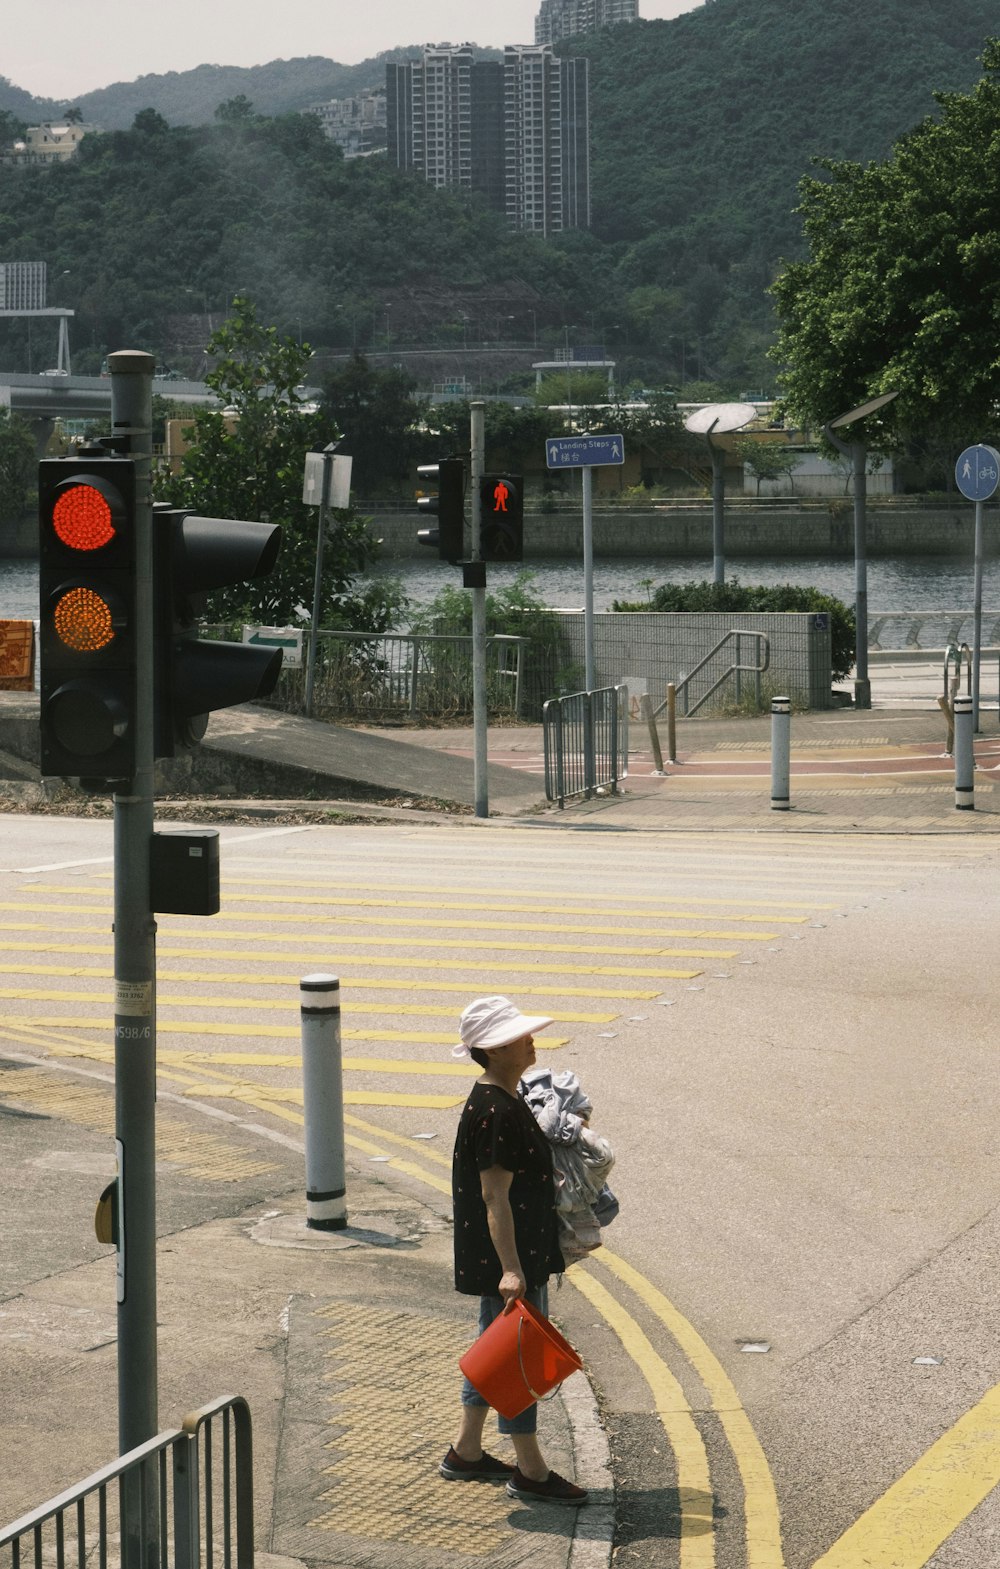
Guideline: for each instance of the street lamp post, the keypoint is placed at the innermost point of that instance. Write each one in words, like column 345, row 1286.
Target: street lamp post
column 857, row 452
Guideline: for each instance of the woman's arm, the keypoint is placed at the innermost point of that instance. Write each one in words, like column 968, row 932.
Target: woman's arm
column 495, row 1183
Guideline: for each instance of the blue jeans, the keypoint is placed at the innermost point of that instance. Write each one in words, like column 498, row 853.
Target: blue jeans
column 489, row 1309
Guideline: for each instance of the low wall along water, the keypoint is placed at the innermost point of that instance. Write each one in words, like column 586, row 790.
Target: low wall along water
column 896, row 528
column 893, row 529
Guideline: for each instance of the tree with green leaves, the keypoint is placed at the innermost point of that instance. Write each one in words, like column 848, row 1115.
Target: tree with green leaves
column 380, row 416
column 247, row 460
column 766, row 459
column 18, row 464
column 900, row 291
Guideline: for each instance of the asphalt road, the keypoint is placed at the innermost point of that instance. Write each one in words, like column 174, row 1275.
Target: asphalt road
column 790, row 1044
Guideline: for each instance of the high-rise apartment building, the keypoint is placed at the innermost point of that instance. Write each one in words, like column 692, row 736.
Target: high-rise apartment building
column 429, row 115
column 517, row 132
column 546, row 140
column 566, row 18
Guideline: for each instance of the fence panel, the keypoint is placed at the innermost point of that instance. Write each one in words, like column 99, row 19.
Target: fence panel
column 586, row 743
column 425, row 675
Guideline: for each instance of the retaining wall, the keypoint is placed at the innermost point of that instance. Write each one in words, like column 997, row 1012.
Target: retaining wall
column 648, row 649
column 686, row 531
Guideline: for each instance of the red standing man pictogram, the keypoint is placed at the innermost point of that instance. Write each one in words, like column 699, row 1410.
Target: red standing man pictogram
column 500, row 494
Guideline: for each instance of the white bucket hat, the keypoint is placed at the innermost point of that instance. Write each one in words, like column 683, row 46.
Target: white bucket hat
column 494, row 1021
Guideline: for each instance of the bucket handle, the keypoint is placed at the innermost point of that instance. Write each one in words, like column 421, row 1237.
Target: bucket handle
column 534, row 1396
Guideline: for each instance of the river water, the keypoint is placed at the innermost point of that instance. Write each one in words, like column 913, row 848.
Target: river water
column 917, row 583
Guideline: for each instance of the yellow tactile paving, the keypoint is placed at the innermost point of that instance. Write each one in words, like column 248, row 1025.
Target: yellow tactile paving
column 203, row 1155
column 393, row 1386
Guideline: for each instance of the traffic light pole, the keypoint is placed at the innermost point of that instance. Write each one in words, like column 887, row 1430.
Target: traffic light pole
column 135, row 956
column 478, row 434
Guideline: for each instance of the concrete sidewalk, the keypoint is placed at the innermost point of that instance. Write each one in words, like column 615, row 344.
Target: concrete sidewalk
column 345, row 1344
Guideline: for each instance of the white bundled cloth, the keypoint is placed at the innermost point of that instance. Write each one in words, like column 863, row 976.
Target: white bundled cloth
column 581, row 1159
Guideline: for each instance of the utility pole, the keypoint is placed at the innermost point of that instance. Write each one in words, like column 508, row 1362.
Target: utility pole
column 478, row 465
column 135, row 953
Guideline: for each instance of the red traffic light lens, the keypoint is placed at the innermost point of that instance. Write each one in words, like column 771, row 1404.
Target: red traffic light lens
column 83, row 519
column 83, row 620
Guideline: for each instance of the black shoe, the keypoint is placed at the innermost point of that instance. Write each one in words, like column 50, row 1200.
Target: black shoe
column 555, row 1489
column 486, row 1469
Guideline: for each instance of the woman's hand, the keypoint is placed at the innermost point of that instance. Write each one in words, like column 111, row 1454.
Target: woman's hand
column 512, row 1285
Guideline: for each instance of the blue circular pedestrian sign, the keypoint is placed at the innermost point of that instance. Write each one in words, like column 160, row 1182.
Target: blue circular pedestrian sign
column 977, row 472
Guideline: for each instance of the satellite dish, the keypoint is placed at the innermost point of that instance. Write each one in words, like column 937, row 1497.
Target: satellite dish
column 719, row 418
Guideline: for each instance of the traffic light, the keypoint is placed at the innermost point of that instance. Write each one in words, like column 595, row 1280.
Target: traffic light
column 448, row 505
column 87, row 615
column 501, row 517
column 193, row 676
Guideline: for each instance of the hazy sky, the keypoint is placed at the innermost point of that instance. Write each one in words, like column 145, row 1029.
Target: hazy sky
column 63, row 48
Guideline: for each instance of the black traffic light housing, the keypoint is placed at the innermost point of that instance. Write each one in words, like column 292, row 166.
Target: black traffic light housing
column 448, row 505
column 501, row 517
column 193, row 676
column 87, row 616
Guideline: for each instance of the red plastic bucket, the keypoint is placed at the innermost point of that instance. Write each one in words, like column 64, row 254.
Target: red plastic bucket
column 518, row 1359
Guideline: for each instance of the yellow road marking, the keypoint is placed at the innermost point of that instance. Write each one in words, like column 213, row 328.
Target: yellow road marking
column 226, row 977
column 267, row 1096
column 272, row 1004
column 213, row 935
column 483, row 926
column 249, row 1059
column 249, row 1029
column 336, row 919
column 763, row 1521
column 275, row 956
column 694, row 1484
column 906, row 1526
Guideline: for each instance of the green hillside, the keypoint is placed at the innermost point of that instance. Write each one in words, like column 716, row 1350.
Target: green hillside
column 160, row 221
column 702, row 128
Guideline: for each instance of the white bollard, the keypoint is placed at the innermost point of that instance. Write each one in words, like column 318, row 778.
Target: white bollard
column 781, row 735
column 965, row 759
column 323, row 1095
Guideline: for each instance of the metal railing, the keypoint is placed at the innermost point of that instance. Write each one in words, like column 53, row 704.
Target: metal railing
column 931, row 629
column 586, row 743
column 182, row 1500
column 737, row 669
column 365, row 674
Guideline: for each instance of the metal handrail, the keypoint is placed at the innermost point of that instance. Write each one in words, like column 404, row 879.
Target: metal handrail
column 144, row 1533
column 756, row 670
column 235, row 1413
column 946, row 702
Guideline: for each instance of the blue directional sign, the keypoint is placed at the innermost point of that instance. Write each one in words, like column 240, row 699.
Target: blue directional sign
column 579, row 452
column 977, row 472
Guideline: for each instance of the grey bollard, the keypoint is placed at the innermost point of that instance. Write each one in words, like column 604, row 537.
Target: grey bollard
column 781, row 735
column 965, row 760
column 323, row 1096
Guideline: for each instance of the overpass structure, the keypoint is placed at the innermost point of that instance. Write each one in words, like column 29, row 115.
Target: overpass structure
column 55, row 395
column 43, row 399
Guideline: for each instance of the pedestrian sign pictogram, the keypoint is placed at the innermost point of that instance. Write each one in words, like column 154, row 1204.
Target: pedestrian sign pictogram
column 501, row 517
column 977, row 472
column 499, row 494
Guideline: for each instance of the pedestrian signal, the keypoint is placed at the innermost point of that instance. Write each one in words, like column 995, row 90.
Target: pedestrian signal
column 501, row 517
column 448, row 506
column 87, row 616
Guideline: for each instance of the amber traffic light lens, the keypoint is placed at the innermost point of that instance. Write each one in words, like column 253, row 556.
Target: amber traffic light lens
column 82, row 518
column 83, row 621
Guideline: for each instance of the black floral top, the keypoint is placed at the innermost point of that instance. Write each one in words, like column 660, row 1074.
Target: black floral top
column 497, row 1129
